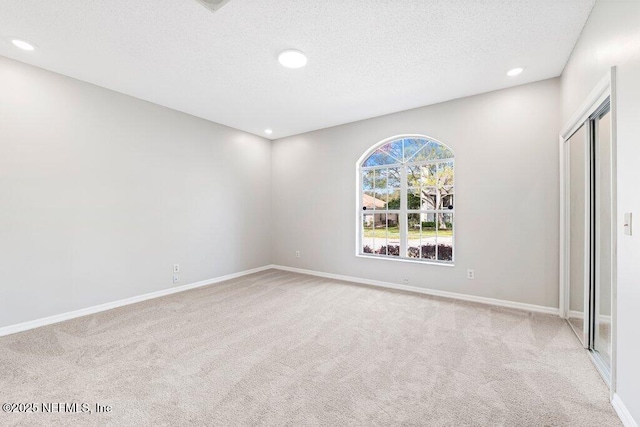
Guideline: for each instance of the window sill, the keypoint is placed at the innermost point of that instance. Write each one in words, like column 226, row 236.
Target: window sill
column 411, row 261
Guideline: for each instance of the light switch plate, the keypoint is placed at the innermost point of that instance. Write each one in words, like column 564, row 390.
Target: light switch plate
column 627, row 224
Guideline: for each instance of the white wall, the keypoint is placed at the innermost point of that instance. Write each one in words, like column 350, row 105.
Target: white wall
column 101, row 193
column 612, row 37
column 506, row 195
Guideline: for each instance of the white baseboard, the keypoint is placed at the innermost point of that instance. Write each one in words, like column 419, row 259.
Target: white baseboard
column 433, row 292
column 623, row 412
column 572, row 314
column 20, row 327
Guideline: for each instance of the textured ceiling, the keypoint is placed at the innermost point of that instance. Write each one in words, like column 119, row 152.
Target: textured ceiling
column 366, row 57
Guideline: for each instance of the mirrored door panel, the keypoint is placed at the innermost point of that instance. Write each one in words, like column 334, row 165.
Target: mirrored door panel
column 603, row 233
column 579, row 207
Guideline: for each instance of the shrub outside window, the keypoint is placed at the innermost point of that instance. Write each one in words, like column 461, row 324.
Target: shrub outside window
column 406, row 200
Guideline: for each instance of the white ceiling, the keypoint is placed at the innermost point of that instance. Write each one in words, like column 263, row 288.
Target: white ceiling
column 366, row 57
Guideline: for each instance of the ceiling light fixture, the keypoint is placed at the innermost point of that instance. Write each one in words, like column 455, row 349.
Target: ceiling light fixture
column 514, row 72
column 213, row 5
column 292, row 58
column 268, row 131
column 23, row 44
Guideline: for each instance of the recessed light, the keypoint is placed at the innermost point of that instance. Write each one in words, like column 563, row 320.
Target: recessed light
column 268, row 131
column 514, row 72
column 292, row 58
column 23, row 44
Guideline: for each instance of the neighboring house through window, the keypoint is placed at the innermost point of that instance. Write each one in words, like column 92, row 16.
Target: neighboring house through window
column 406, row 200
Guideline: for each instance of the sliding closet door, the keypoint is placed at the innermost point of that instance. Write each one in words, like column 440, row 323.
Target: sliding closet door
column 589, row 225
column 579, row 207
column 603, row 233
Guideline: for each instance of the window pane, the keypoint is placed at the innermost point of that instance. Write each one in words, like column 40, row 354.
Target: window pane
column 422, row 175
column 380, row 199
column 446, row 198
column 445, row 237
column 428, row 198
column 367, row 234
column 393, row 149
column 380, row 180
column 394, row 200
column 445, row 174
column 380, row 234
column 413, row 198
column 393, row 235
column 414, row 175
column 412, row 146
column 413, row 236
column 367, row 180
column 432, row 151
column 393, row 177
column 428, row 250
column 441, row 151
column 429, row 174
column 370, row 202
column 428, row 236
column 379, row 158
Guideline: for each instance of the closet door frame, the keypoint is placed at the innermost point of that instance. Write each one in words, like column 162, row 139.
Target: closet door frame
column 603, row 92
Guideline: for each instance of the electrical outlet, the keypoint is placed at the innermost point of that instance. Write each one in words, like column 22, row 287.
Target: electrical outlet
column 176, row 268
column 471, row 274
column 176, row 278
column 297, row 254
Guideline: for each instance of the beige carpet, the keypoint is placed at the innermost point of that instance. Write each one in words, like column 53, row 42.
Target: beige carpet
column 279, row 348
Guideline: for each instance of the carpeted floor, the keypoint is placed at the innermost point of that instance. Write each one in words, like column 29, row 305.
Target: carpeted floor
column 278, row 348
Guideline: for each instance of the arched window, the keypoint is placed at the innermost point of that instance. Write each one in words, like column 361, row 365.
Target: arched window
column 406, row 200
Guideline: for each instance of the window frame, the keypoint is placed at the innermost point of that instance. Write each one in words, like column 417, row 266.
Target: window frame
column 403, row 211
